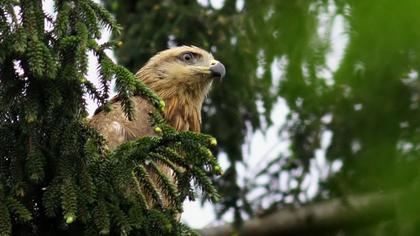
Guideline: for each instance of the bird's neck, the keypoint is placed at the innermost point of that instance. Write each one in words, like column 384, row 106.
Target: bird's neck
column 183, row 102
column 183, row 113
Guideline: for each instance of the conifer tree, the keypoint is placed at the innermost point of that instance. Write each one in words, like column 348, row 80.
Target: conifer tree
column 55, row 174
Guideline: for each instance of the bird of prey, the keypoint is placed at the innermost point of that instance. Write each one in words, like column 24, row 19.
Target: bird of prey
column 182, row 77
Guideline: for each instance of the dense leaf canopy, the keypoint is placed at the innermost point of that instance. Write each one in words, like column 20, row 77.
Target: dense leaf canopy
column 356, row 90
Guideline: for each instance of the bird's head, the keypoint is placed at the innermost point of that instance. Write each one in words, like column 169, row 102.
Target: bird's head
column 185, row 71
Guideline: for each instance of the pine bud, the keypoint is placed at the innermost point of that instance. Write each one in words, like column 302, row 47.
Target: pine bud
column 157, row 130
column 218, row 170
column 213, row 142
column 161, row 105
column 69, row 219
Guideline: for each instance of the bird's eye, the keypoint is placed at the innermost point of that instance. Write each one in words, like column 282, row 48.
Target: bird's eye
column 187, row 57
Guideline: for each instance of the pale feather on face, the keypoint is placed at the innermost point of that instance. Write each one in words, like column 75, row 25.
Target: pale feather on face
column 168, row 74
column 182, row 77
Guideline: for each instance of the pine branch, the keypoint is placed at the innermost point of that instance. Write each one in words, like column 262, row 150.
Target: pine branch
column 51, row 159
column 167, row 187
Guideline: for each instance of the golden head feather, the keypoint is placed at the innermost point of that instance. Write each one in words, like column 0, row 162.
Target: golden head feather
column 182, row 77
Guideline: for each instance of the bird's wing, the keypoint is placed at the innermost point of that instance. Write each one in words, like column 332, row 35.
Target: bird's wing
column 116, row 128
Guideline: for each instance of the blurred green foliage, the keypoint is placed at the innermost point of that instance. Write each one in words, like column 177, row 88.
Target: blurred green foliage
column 368, row 100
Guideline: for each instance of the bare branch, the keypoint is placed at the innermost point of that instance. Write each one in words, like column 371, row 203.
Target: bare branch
column 318, row 217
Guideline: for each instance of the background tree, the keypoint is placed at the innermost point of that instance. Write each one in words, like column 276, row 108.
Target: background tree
column 55, row 175
column 367, row 104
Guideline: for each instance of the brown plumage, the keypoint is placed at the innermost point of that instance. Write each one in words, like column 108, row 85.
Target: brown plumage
column 182, row 77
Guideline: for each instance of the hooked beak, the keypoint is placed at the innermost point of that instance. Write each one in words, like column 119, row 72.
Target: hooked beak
column 217, row 69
